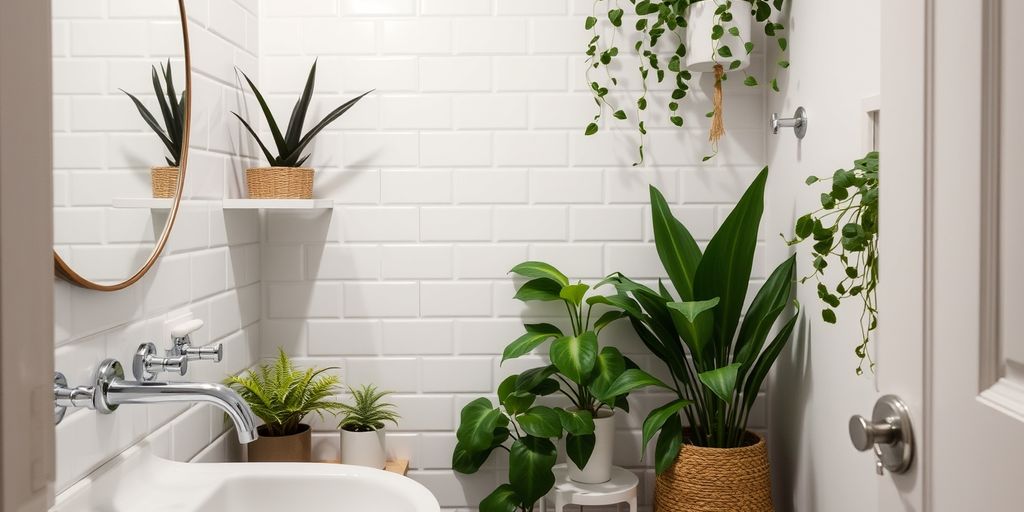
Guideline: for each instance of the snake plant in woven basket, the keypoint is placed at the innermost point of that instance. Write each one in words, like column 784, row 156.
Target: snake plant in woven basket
column 291, row 143
column 172, row 110
column 282, row 394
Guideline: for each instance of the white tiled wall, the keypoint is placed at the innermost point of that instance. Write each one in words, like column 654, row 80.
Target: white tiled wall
column 211, row 266
column 469, row 158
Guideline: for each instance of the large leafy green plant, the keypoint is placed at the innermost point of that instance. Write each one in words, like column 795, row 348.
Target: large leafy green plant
column 367, row 413
column 291, row 143
column 172, row 109
column 282, row 395
column 717, row 362
column 845, row 230
column 591, row 378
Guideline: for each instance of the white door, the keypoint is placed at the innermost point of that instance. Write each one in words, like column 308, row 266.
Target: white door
column 953, row 146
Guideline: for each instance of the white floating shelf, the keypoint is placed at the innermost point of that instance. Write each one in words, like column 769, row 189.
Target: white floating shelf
column 153, row 203
column 278, row 204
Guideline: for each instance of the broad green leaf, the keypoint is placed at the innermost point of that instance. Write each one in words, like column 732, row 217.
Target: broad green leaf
column 503, row 499
column 478, row 421
column 529, row 467
column 316, row 129
column 546, row 387
column 575, row 421
column 574, row 293
column 469, row 462
column 518, row 401
column 607, row 319
column 657, row 418
column 507, row 387
column 669, row 441
column 609, row 365
column 721, row 381
column 694, row 321
column 533, row 377
column 575, row 356
column 766, row 360
column 541, row 421
column 536, row 334
column 541, row 289
column 631, row 380
column 539, row 269
column 724, row 271
column 622, row 302
column 591, row 129
column 764, row 309
column 677, row 249
column 579, row 448
column 591, row 21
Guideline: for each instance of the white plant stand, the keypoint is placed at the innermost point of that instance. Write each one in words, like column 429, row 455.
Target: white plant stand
column 620, row 489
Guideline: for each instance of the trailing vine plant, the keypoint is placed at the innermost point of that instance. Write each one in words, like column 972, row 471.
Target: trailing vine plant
column 845, row 231
column 665, row 20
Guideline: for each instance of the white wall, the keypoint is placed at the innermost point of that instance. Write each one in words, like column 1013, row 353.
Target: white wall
column 815, row 391
column 210, row 267
column 468, row 159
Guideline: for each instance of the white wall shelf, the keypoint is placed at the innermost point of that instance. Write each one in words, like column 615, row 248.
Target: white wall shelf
column 153, row 203
column 278, row 204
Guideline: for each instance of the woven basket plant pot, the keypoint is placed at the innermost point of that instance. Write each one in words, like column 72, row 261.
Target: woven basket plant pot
column 165, row 181
column 280, row 182
column 717, row 480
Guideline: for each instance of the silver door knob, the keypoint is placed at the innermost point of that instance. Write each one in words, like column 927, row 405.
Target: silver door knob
column 889, row 433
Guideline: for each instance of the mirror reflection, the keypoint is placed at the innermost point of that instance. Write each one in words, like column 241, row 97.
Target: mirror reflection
column 119, row 130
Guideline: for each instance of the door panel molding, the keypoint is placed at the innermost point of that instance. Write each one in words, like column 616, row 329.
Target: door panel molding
column 990, row 336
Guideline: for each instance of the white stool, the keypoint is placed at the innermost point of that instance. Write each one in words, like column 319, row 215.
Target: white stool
column 620, row 489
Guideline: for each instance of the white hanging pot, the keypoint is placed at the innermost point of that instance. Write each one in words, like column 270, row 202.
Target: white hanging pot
column 599, row 468
column 364, row 448
column 702, row 51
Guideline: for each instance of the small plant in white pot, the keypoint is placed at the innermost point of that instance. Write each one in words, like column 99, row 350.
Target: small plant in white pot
column 362, row 428
column 286, row 178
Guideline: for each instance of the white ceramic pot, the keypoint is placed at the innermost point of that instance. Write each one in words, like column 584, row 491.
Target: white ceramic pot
column 364, row 448
column 599, row 468
column 701, row 49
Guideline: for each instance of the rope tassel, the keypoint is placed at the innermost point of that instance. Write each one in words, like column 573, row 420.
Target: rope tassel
column 717, row 120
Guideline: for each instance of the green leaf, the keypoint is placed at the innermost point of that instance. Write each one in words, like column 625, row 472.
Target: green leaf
column 542, row 289
column 535, row 335
column 764, row 309
column 590, row 23
column 676, row 120
column 282, row 146
column 541, row 421
column 477, row 424
column 775, row 84
column 717, row 32
column 533, row 377
column 657, row 418
column 575, row 356
column 579, row 448
column 503, row 499
column 724, row 271
column 622, row 302
column 669, row 442
column 811, row 180
column 606, row 319
column 767, row 359
column 468, row 462
column 748, row 47
column 539, row 269
column 783, row 43
column 721, row 381
column 529, row 467
column 783, row 64
column 724, row 51
column 316, row 129
column 631, row 380
column 804, row 225
column 828, row 316
column 734, row 31
column 574, row 293
column 294, row 131
column 676, row 247
column 750, row 81
column 619, row 114
column 615, row 16
column 695, row 323
column 576, row 422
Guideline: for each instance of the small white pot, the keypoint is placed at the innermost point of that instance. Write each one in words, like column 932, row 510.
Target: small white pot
column 701, row 49
column 599, row 468
column 364, row 448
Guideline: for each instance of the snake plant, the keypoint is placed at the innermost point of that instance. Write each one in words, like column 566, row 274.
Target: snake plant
column 282, row 395
column 172, row 109
column 291, row 143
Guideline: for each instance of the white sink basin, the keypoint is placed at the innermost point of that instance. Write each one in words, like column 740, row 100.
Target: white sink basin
column 142, row 481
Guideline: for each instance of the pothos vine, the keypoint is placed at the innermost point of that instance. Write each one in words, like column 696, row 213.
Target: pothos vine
column 656, row 22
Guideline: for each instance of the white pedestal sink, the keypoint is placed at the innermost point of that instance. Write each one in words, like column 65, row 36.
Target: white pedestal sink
column 138, row 480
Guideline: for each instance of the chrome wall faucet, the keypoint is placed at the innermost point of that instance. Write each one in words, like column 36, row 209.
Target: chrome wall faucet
column 146, row 365
column 110, row 390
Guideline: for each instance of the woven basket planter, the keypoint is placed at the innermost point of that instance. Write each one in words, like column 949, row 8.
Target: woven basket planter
column 280, row 183
column 165, row 181
column 717, row 480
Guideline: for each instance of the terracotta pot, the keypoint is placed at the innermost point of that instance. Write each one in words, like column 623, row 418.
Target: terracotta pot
column 279, row 182
column 717, row 479
column 364, row 448
column 165, row 181
column 599, row 467
column 292, row 448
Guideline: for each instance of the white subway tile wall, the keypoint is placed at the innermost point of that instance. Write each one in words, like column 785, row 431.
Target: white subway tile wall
column 211, row 266
column 469, row 158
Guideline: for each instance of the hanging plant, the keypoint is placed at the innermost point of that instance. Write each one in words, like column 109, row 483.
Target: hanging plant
column 845, row 232
column 702, row 35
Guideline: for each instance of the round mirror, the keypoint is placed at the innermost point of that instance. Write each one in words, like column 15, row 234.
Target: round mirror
column 121, row 107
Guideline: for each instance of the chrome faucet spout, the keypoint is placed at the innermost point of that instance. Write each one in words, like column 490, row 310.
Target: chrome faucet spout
column 120, row 392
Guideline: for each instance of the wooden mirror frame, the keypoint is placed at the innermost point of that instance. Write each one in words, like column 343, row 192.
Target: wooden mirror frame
column 62, row 269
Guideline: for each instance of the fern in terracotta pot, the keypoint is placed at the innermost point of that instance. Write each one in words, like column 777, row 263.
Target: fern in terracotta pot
column 286, row 178
column 362, row 428
column 282, row 395
column 171, row 134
